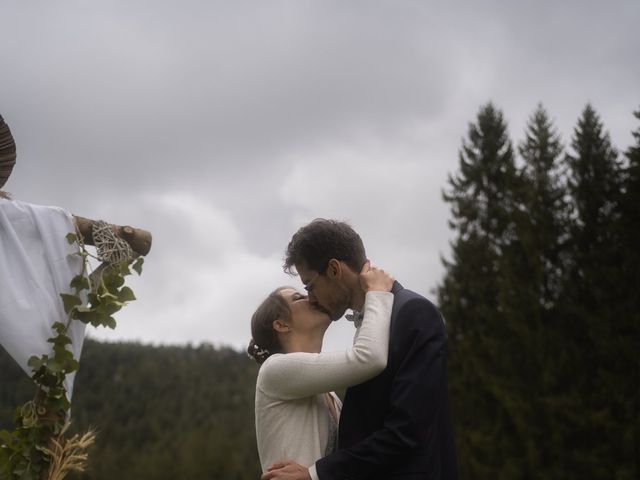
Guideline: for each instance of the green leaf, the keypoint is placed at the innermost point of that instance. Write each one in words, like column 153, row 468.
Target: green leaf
column 85, row 317
column 107, row 295
column 137, row 265
column 80, row 282
column 112, row 281
column 72, row 366
column 71, row 238
column 69, row 301
column 126, row 295
column 123, row 269
column 59, row 340
column 34, row 362
column 54, row 366
column 98, row 319
column 51, row 379
column 61, row 353
column 59, row 327
column 110, row 308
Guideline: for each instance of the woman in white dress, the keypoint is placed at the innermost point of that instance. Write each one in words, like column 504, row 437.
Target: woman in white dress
column 296, row 411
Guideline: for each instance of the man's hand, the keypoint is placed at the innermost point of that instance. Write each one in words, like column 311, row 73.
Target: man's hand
column 286, row 470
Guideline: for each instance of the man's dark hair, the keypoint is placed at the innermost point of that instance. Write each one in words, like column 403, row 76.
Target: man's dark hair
column 320, row 241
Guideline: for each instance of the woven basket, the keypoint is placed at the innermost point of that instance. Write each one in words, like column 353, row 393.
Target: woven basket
column 7, row 152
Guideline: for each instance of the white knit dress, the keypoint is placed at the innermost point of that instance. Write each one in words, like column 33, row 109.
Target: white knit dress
column 293, row 421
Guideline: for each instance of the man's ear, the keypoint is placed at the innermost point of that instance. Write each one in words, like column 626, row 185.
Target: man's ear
column 281, row 326
column 334, row 269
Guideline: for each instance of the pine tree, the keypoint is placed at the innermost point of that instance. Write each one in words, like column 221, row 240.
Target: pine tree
column 595, row 184
column 632, row 180
column 540, row 299
column 528, row 290
column 482, row 201
column 544, row 218
column 597, row 369
column 629, row 314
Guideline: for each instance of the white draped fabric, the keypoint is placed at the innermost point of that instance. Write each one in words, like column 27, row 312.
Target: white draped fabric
column 36, row 266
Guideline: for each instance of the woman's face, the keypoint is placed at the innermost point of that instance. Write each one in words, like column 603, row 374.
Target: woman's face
column 304, row 316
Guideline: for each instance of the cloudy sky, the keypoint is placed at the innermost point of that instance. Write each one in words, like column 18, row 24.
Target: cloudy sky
column 223, row 126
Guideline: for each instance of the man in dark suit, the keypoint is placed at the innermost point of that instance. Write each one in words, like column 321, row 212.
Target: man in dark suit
column 396, row 425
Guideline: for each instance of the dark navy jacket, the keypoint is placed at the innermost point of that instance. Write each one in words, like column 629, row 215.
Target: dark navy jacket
column 397, row 425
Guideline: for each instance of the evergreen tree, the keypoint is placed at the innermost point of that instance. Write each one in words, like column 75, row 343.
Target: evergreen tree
column 629, row 312
column 632, row 181
column 540, row 299
column 544, row 216
column 528, row 289
column 598, row 369
column 595, row 183
column 482, row 201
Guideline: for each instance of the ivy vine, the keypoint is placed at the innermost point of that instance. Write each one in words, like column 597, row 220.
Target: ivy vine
column 25, row 452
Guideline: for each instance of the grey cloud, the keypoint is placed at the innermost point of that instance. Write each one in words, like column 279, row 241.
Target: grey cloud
column 115, row 103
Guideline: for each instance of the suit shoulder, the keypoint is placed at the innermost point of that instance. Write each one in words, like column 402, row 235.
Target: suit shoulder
column 415, row 311
column 406, row 298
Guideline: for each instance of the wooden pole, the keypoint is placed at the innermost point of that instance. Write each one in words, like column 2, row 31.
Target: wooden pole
column 138, row 239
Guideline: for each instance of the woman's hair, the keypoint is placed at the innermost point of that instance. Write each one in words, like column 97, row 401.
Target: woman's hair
column 264, row 339
column 321, row 240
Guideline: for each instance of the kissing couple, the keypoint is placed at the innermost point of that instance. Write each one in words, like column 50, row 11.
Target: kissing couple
column 395, row 421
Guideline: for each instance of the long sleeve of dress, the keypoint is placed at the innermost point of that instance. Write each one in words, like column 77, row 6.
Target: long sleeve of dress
column 297, row 375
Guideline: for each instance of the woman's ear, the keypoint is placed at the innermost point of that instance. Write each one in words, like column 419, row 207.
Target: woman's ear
column 281, row 326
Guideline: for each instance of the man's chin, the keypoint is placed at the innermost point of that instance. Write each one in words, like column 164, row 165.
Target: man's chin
column 334, row 316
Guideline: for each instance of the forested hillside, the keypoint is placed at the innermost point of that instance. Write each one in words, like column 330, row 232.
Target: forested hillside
column 160, row 412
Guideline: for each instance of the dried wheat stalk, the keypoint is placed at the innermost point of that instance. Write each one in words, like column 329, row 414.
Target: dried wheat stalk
column 68, row 454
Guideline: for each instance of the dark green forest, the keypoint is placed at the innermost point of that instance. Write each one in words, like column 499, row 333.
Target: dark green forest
column 541, row 301
column 160, row 412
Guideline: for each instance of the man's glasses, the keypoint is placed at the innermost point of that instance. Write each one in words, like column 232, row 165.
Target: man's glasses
column 309, row 286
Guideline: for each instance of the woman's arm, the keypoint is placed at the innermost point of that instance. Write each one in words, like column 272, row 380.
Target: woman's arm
column 300, row 374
